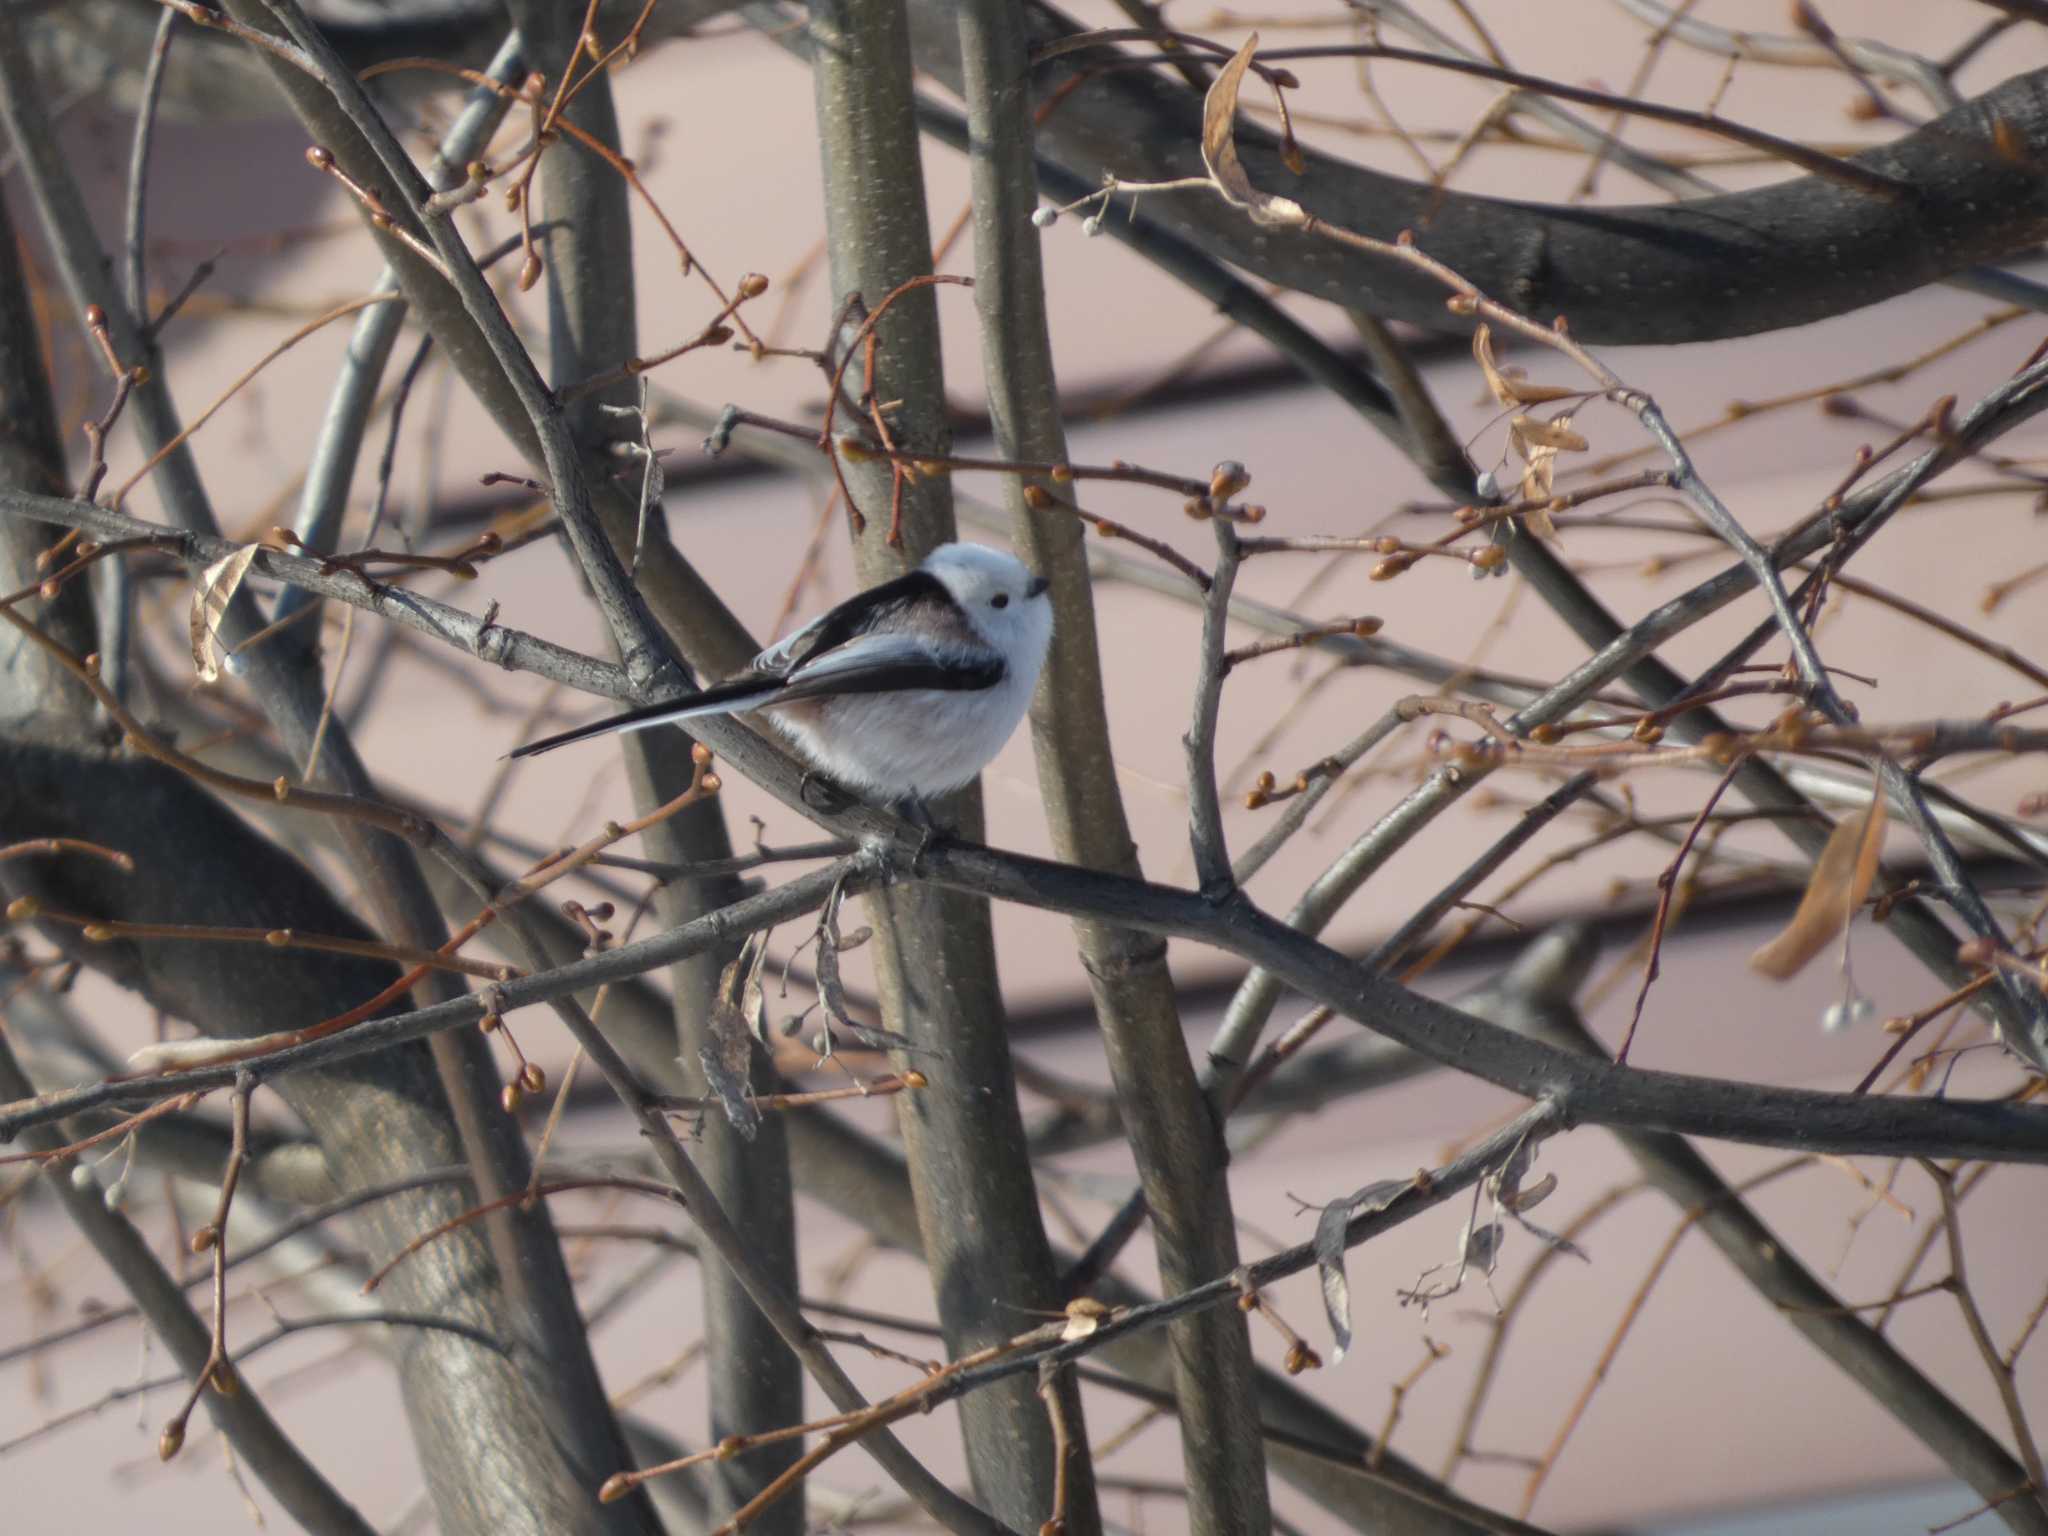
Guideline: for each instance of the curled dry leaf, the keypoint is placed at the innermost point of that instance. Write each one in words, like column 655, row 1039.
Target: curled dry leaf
column 738, row 1012
column 1520, row 1200
column 1219, row 148
column 1556, row 433
column 1842, row 877
column 1329, row 1244
column 1507, row 384
column 211, row 595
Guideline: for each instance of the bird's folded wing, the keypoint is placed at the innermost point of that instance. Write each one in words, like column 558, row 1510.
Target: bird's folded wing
column 889, row 663
column 866, row 664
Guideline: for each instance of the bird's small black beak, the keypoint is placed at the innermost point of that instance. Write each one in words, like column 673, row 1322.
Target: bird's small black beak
column 1036, row 586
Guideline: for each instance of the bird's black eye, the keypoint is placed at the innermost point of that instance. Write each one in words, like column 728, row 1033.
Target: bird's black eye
column 1000, row 600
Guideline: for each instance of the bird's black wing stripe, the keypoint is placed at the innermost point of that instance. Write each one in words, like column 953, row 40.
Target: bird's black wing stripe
column 894, row 677
column 864, row 610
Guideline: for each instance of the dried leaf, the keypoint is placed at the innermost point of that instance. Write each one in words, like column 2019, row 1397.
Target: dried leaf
column 1482, row 353
column 1842, row 877
column 738, row 1011
column 727, row 1058
column 1481, row 1247
column 1539, row 433
column 1508, row 385
column 211, row 595
column 1520, row 1200
column 1219, row 147
column 1330, row 1227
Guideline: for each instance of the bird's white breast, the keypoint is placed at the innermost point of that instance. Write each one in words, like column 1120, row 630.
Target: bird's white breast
column 916, row 742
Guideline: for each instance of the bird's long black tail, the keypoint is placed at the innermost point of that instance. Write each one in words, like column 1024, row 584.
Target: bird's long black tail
column 724, row 699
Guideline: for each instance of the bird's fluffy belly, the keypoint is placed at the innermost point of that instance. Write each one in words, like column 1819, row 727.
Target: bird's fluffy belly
column 918, row 743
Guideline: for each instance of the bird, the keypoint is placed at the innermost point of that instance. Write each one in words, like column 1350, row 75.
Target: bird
column 902, row 693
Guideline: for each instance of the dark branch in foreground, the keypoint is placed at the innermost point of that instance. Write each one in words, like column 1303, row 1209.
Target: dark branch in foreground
column 1584, row 1091
column 1711, row 267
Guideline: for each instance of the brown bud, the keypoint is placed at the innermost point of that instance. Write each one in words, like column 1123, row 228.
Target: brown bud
column 532, row 1079
column 1648, row 732
column 915, row 1079
column 277, row 938
column 95, row 316
column 753, row 285
column 1301, row 1358
column 98, row 933
column 614, row 1488
column 1546, row 735
column 700, row 754
column 22, row 908
column 170, row 1442
column 319, row 158
column 489, row 1022
column 711, row 784
column 225, row 1381
column 1492, row 557
column 1062, row 473
column 529, row 271
column 511, row 1098
column 202, row 1241
column 1976, row 952
column 1037, row 497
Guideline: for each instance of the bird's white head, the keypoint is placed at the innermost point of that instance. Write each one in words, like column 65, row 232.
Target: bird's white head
column 1001, row 598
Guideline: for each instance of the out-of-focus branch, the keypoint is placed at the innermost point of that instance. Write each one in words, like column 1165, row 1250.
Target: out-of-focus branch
column 484, row 638
column 644, row 654
column 1757, row 1113
column 1710, row 267
column 32, row 460
column 1179, row 1151
column 295, row 1482
column 934, row 953
column 1897, row 1385
column 331, row 467
column 755, row 1382
column 546, row 1409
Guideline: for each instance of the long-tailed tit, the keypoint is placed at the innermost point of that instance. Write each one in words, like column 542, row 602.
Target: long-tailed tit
column 904, row 691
